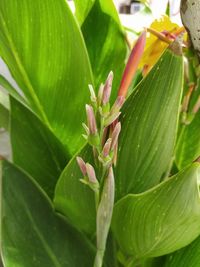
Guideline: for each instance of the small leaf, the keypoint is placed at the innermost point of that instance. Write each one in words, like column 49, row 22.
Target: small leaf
column 75, row 199
column 35, row 148
column 161, row 220
column 149, row 126
column 32, row 233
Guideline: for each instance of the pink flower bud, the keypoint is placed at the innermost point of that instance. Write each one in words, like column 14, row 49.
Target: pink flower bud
column 81, row 165
column 91, row 120
column 107, row 89
column 91, row 173
column 118, row 104
column 115, row 135
column 106, row 148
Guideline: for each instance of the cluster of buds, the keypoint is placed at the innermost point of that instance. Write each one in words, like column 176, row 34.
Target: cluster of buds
column 101, row 131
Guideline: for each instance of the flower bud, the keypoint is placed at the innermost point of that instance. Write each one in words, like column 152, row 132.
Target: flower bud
column 115, row 135
column 92, row 94
column 81, row 165
column 105, row 210
column 91, row 174
column 100, row 94
column 91, row 120
column 111, row 118
column 106, row 148
column 107, row 89
column 118, row 104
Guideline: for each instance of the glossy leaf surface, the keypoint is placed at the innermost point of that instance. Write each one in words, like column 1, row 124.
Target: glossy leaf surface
column 105, row 41
column 32, row 233
column 35, row 148
column 75, row 199
column 149, row 125
column 161, row 220
column 44, row 50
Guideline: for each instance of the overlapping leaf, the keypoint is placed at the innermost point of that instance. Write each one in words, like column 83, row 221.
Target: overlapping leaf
column 4, row 110
column 188, row 146
column 75, row 199
column 105, row 41
column 35, row 148
column 32, row 234
column 149, row 125
column 188, row 256
column 161, row 220
column 44, row 50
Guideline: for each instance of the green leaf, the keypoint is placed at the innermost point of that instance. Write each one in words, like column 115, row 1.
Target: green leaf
column 32, row 233
column 188, row 146
column 149, row 126
column 161, row 220
column 35, row 148
column 188, row 256
column 82, row 9
column 75, row 199
column 105, row 41
column 4, row 110
column 42, row 45
column 10, row 89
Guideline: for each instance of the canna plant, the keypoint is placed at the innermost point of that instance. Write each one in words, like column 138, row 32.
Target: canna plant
column 123, row 190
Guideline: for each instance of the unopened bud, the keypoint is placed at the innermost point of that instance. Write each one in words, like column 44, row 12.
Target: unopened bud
column 118, row 104
column 91, row 120
column 106, row 148
column 92, row 94
column 81, row 165
column 91, row 174
column 100, row 94
column 111, row 118
column 105, row 210
column 115, row 135
column 107, row 89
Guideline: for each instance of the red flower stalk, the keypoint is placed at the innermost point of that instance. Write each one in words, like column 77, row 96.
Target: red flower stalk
column 132, row 65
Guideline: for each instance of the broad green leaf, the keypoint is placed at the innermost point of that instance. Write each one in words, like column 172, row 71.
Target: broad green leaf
column 105, row 41
column 35, row 148
column 186, row 257
column 75, row 199
column 42, row 45
column 32, row 234
column 82, row 9
column 161, row 220
column 149, row 126
column 188, row 146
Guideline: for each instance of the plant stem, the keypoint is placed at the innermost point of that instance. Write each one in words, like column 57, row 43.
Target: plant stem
column 99, row 258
